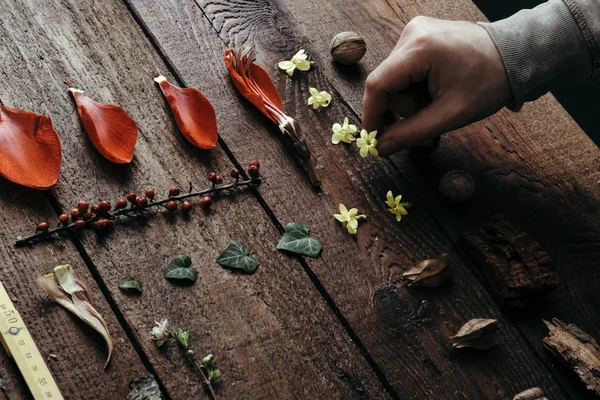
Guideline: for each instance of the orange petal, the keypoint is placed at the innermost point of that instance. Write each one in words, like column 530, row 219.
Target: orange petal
column 110, row 129
column 30, row 150
column 194, row 115
column 256, row 87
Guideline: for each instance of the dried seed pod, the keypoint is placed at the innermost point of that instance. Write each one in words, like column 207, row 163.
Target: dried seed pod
column 478, row 333
column 457, row 186
column 429, row 273
column 348, row 48
column 534, row 393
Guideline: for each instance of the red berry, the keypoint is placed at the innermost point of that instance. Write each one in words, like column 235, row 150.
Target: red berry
column 150, row 193
column 43, row 227
column 79, row 224
column 186, row 207
column 88, row 214
column 121, row 204
column 218, row 180
column 74, row 214
column 206, row 202
column 83, row 206
column 131, row 197
column 234, row 173
column 172, row 205
column 253, row 171
column 255, row 163
column 174, row 191
column 102, row 225
column 64, row 219
column 141, row 202
column 95, row 209
column 104, row 206
column 212, row 177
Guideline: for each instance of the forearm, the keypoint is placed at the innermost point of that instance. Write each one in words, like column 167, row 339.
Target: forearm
column 558, row 41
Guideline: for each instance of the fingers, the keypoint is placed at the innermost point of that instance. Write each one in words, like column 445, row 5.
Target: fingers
column 395, row 74
column 439, row 117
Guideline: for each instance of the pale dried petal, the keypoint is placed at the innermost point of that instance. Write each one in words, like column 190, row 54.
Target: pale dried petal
column 478, row 333
column 75, row 297
column 534, row 393
column 429, row 273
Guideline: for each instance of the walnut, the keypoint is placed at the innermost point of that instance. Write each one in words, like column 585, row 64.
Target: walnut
column 457, row 186
column 348, row 48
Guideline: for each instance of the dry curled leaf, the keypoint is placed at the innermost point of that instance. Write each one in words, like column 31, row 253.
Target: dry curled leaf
column 71, row 293
column 534, row 393
column 478, row 333
column 429, row 273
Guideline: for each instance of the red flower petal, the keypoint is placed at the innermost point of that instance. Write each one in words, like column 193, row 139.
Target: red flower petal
column 194, row 115
column 30, row 150
column 110, row 129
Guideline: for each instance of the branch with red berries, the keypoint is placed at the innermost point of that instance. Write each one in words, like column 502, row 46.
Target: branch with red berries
column 102, row 216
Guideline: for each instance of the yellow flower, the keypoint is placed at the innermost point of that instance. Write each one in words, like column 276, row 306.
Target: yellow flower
column 396, row 206
column 343, row 133
column 298, row 61
column 351, row 218
column 318, row 99
column 367, row 143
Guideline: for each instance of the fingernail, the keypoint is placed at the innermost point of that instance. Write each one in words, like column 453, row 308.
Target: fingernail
column 386, row 148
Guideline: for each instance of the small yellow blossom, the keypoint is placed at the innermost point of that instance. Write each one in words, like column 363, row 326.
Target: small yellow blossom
column 396, row 206
column 351, row 218
column 343, row 133
column 318, row 99
column 367, row 143
column 298, row 61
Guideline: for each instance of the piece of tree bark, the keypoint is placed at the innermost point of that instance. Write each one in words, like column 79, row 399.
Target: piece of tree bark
column 578, row 350
column 514, row 264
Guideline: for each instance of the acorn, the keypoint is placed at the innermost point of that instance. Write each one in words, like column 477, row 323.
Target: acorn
column 457, row 186
column 348, row 48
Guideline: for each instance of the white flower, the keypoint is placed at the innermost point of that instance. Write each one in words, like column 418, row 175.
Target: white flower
column 343, row 133
column 298, row 61
column 159, row 333
column 367, row 143
column 318, row 99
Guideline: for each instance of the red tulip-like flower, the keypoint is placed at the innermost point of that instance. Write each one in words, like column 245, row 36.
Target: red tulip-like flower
column 111, row 130
column 255, row 84
column 194, row 115
column 30, row 150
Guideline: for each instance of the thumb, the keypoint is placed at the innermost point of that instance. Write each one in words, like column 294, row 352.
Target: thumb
column 440, row 116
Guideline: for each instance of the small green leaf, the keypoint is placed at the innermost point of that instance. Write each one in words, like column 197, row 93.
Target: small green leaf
column 236, row 255
column 296, row 240
column 180, row 268
column 183, row 337
column 131, row 285
column 212, row 375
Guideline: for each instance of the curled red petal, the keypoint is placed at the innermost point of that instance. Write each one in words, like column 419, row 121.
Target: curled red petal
column 194, row 115
column 111, row 130
column 30, row 150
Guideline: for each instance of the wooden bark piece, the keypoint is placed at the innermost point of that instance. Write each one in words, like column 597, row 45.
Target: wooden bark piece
column 513, row 263
column 578, row 350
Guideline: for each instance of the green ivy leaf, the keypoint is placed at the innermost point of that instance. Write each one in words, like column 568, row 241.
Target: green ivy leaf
column 236, row 255
column 131, row 285
column 180, row 268
column 296, row 240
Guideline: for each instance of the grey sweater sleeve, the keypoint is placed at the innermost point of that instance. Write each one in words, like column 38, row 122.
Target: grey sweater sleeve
column 557, row 41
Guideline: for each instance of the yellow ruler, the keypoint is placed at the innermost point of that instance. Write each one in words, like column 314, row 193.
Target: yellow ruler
column 19, row 344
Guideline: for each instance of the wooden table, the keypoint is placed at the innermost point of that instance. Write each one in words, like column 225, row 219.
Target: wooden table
column 339, row 326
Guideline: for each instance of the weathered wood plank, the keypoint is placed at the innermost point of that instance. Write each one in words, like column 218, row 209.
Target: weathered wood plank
column 74, row 353
column 405, row 331
column 536, row 166
column 273, row 334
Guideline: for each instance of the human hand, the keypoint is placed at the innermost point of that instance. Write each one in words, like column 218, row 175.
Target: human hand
column 441, row 75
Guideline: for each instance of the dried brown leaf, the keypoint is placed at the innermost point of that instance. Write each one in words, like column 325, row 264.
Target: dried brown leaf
column 534, row 393
column 73, row 295
column 478, row 333
column 429, row 273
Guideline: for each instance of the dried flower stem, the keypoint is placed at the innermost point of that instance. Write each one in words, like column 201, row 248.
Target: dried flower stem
column 21, row 241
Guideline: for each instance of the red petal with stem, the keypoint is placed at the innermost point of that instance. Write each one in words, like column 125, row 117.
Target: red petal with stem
column 253, row 82
column 30, row 150
column 194, row 115
column 111, row 130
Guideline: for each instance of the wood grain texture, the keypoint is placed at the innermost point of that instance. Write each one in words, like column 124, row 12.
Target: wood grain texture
column 74, row 353
column 405, row 331
column 272, row 333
